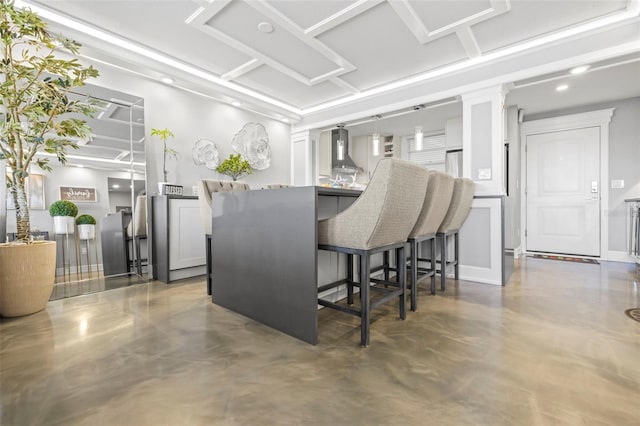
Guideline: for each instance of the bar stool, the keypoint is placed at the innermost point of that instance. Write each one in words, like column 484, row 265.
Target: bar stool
column 206, row 187
column 456, row 215
column 434, row 209
column 140, row 229
column 278, row 186
column 378, row 221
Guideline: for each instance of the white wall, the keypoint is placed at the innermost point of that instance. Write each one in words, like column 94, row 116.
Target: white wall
column 191, row 117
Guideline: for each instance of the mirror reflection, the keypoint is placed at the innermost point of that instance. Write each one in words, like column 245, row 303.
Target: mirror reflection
column 105, row 178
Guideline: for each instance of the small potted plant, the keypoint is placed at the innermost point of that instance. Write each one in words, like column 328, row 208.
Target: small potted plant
column 86, row 227
column 164, row 135
column 235, row 167
column 63, row 213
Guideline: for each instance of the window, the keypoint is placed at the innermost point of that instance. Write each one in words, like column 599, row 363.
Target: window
column 433, row 152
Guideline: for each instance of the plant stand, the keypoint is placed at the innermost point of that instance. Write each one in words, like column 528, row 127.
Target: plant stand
column 66, row 255
column 88, row 245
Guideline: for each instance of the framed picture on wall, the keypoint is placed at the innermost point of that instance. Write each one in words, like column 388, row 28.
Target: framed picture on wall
column 35, row 188
column 78, row 194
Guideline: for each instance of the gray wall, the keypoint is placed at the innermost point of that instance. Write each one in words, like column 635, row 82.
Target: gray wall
column 624, row 160
column 190, row 118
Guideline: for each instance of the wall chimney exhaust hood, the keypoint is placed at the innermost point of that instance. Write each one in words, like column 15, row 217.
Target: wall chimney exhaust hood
column 340, row 159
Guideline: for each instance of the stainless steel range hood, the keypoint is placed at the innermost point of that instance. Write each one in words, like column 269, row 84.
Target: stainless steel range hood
column 346, row 164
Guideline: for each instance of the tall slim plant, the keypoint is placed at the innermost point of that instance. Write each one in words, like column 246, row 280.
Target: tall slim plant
column 37, row 114
column 164, row 135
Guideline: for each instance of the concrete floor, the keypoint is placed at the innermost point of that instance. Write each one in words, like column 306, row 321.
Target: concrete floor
column 554, row 347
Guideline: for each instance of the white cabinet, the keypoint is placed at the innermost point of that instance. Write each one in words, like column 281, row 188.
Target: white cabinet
column 178, row 242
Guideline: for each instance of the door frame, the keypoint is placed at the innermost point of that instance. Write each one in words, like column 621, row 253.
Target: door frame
column 599, row 118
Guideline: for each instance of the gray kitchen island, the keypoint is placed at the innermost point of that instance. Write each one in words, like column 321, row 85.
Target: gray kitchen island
column 265, row 260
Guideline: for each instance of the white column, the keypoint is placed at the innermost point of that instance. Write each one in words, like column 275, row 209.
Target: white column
column 483, row 139
column 302, row 158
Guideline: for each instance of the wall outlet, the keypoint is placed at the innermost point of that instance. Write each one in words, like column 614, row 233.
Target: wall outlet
column 484, row 174
column 617, row 183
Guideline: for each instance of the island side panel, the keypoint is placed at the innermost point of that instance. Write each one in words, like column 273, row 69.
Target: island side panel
column 264, row 257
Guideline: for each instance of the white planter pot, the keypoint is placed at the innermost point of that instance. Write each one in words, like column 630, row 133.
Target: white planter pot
column 63, row 224
column 87, row 232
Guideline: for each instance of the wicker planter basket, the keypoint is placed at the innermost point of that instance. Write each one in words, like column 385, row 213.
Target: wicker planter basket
column 27, row 278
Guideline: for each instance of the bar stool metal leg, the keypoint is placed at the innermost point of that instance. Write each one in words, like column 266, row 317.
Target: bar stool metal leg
column 350, row 279
column 401, row 273
column 414, row 274
column 433, row 265
column 443, row 261
column 364, row 300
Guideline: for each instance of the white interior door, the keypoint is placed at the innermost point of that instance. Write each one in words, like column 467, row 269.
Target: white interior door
column 563, row 192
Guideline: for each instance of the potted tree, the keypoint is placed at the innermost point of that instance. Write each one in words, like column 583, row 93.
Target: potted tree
column 63, row 213
column 86, row 227
column 235, row 167
column 37, row 115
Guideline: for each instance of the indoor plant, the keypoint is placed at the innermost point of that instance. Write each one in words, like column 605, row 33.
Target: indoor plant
column 37, row 116
column 63, row 213
column 235, row 167
column 165, row 134
column 86, row 227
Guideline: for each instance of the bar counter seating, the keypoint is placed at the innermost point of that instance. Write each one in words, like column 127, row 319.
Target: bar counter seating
column 456, row 215
column 379, row 221
column 278, row 254
column 435, row 207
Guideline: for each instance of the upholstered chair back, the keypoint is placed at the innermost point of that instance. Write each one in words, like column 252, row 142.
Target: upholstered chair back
column 206, row 187
column 140, row 216
column 277, row 186
column 436, row 204
column 384, row 213
column 463, row 190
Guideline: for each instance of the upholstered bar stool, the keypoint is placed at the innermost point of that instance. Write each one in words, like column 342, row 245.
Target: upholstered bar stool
column 379, row 220
column 140, row 229
column 277, row 186
column 206, row 187
column 434, row 209
column 456, row 215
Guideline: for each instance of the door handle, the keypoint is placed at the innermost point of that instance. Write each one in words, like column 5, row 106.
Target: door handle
column 594, row 186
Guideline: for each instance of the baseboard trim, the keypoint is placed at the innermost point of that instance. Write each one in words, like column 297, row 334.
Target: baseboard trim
column 620, row 256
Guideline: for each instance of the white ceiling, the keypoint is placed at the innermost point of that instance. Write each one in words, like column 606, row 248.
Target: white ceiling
column 326, row 53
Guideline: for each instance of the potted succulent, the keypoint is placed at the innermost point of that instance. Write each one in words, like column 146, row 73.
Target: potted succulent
column 235, row 167
column 37, row 115
column 86, row 227
column 63, row 213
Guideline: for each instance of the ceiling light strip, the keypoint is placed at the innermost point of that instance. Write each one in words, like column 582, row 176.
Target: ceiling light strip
column 589, row 26
column 99, row 160
column 136, row 48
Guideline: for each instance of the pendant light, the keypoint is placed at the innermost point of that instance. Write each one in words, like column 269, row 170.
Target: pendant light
column 340, row 144
column 375, row 139
column 419, row 137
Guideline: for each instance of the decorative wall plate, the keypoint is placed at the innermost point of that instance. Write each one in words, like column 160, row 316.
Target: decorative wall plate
column 205, row 153
column 252, row 141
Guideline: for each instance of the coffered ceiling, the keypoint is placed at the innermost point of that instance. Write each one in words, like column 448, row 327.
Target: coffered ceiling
column 302, row 56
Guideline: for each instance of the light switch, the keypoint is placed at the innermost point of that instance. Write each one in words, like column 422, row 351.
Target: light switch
column 484, row 174
column 617, row 183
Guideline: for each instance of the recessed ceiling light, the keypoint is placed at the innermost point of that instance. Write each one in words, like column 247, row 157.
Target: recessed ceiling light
column 265, row 27
column 80, row 165
column 285, row 120
column 167, row 80
column 115, row 185
column 579, row 70
column 236, row 103
column 562, row 87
